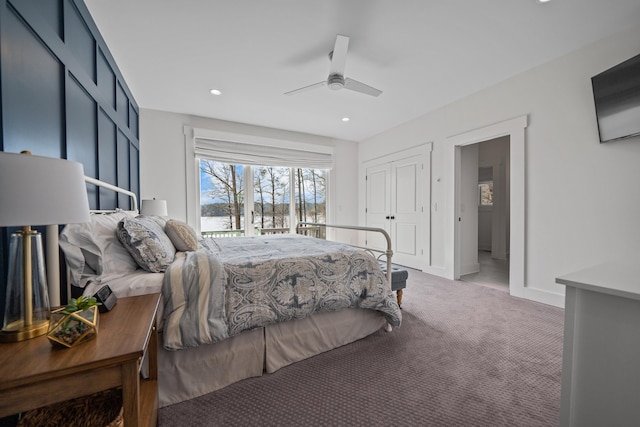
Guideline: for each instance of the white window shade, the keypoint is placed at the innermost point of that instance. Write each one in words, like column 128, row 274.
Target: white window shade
column 265, row 153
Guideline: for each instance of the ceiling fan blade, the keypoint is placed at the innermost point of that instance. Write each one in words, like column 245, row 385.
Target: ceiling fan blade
column 306, row 88
column 361, row 87
column 339, row 55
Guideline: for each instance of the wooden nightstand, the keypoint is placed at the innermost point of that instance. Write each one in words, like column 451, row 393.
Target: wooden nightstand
column 33, row 373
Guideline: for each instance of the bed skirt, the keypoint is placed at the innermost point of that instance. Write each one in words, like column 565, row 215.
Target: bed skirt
column 193, row 372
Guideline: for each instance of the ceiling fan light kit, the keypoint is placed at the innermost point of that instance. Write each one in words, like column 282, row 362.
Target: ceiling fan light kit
column 335, row 82
column 336, row 79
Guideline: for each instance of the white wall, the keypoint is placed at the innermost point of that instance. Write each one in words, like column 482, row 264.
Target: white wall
column 162, row 161
column 582, row 197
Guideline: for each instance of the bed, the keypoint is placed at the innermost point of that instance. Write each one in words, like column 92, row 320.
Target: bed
column 232, row 308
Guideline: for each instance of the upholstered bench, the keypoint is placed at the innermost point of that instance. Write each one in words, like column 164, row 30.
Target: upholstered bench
column 398, row 279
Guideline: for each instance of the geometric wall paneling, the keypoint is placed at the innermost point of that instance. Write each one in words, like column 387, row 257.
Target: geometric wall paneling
column 106, row 79
column 122, row 150
column 82, row 130
column 51, row 12
column 86, row 38
column 134, row 170
column 80, row 41
column 133, row 122
column 122, row 105
column 31, row 91
column 107, row 159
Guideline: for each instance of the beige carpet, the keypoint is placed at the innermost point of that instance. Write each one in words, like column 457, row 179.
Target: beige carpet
column 466, row 355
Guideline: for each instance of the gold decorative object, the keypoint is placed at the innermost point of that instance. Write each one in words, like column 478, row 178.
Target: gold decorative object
column 75, row 323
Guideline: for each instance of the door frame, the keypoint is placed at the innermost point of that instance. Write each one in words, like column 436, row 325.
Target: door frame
column 515, row 129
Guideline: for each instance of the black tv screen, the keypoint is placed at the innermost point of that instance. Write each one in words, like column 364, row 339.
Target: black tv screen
column 616, row 92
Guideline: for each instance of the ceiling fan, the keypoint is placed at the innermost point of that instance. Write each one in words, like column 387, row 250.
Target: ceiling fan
column 336, row 79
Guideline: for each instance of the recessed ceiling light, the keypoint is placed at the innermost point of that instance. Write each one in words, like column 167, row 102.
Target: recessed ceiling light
column 345, row 119
column 215, row 92
column 543, row 1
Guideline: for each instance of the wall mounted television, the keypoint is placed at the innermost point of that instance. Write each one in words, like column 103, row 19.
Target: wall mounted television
column 616, row 93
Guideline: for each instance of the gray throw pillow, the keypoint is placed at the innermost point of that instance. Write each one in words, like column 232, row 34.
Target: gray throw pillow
column 147, row 243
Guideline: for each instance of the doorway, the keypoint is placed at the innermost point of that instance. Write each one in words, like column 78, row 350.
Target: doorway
column 514, row 129
column 485, row 189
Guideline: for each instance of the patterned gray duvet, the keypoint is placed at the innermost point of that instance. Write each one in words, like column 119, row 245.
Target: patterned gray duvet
column 231, row 285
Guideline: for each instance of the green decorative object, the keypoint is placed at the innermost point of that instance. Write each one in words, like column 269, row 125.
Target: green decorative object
column 75, row 323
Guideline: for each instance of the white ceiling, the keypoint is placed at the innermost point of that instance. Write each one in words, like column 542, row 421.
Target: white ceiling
column 422, row 54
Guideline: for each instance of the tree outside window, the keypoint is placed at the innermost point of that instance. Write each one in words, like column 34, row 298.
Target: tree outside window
column 271, row 197
column 222, row 193
column 310, row 195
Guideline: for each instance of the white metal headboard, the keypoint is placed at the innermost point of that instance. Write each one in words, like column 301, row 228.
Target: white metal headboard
column 53, row 254
column 98, row 183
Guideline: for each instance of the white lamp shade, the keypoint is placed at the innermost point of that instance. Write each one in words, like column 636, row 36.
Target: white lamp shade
column 154, row 207
column 37, row 190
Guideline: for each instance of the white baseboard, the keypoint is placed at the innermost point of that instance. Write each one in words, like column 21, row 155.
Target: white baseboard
column 436, row 271
column 539, row 295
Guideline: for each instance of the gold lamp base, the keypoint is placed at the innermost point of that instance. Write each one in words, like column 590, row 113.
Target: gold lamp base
column 16, row 331
column 27, row 310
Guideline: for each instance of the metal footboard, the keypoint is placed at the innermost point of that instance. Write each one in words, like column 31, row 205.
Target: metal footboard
column 389, row 253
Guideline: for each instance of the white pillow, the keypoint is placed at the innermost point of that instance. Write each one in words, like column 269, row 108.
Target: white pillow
column 93, row 249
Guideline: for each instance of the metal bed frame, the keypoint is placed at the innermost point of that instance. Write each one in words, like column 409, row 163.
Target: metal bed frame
column 388, row 252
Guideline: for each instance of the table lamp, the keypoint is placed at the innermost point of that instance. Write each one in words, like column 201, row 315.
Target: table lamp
column 34, row 190
column 154, row 207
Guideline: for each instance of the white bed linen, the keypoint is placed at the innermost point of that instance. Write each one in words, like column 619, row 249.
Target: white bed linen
column 139, row 282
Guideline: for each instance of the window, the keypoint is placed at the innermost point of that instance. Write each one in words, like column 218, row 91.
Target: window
column 271, row 196
column 485, row 193
column 310, row 199
column 223, row 194
column 310, row 195
column 286, row 181
column 221, row 198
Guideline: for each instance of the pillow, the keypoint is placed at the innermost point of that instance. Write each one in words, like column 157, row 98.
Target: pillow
column 147, row 243
column 92, row 249
column 183, row 237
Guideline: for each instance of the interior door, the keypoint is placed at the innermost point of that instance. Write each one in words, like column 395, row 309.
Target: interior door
column 468, row 211
column 378, row 209
column 406, row 210
column 394, row 204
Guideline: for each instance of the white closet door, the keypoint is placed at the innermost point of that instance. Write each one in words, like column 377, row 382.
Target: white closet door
column 406, row 209
column 378, row 204
column 394, row 204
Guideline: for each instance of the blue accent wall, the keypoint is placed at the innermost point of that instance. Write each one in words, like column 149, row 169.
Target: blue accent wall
column 62, row 95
